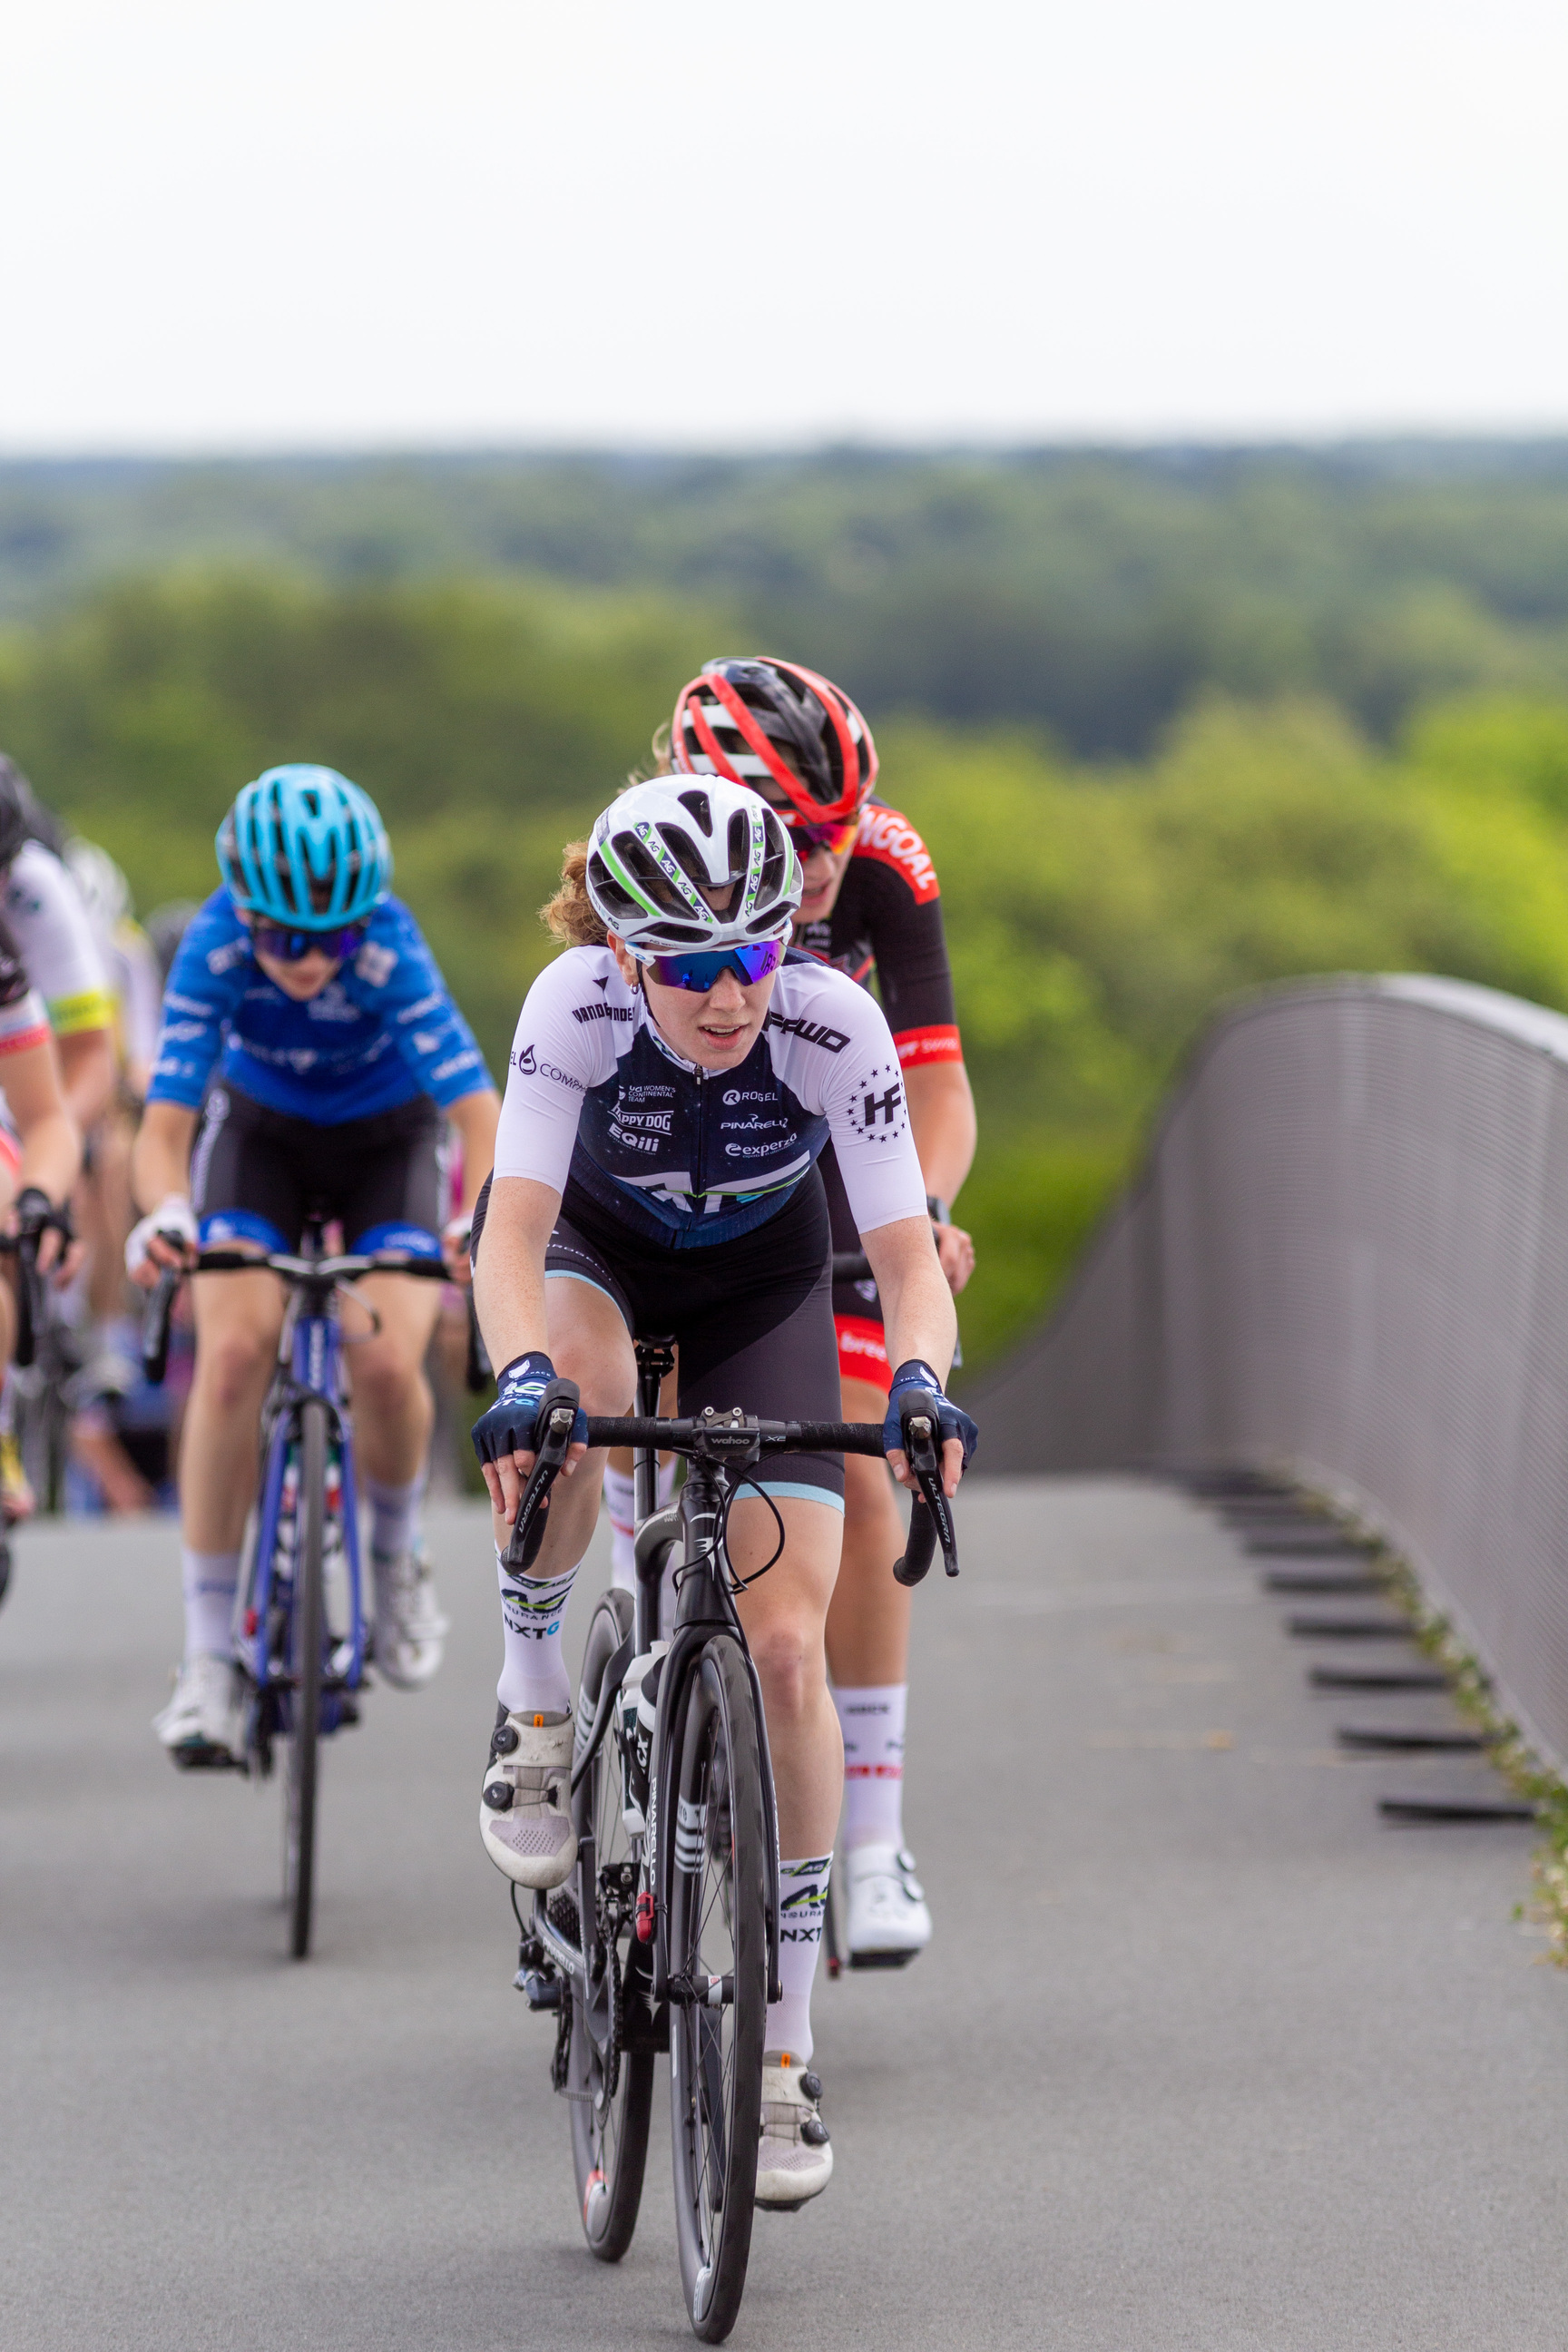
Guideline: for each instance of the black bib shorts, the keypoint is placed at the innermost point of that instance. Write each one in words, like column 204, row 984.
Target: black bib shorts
column 752, row 1318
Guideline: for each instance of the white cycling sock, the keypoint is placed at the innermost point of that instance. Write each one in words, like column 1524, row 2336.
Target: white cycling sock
column 620, row 1501
column 394, row 1515
column 872, row 1721
column 209, row 1581
column 533, row 1610
column 803, row 1905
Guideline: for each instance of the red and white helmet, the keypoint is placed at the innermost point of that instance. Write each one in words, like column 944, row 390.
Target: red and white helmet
column 739, row 718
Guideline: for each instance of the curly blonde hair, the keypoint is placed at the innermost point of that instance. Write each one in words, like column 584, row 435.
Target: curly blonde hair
column 663, row 765
column 569, row 916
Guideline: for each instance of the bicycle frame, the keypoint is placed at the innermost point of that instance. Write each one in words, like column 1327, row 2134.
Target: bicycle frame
column 311, row 1346
column 714, row 1445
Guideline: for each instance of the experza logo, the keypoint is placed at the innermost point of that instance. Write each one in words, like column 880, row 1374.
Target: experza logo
column 810, row 1033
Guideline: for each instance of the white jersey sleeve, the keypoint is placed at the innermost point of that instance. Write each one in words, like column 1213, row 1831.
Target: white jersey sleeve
column 565, row 1043
column 832, row 1047
column 44, row 910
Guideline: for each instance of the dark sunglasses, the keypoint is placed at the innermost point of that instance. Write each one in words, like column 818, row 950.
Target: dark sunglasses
column 293, row 947
column 701, row 972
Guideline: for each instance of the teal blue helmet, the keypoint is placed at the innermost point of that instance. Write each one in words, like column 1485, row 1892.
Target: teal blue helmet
column 305, row 847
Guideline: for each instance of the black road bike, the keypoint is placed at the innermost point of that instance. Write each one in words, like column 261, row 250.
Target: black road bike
column 666, row 1937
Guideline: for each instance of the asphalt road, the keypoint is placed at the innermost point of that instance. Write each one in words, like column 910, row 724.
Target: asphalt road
column 1203, row 2056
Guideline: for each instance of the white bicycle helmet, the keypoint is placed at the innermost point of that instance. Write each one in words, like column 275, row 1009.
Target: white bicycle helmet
column 657, row 849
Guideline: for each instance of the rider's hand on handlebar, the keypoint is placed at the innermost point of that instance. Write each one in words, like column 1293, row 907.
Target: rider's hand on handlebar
column 454, row 1249
column 164, row 1239
column 959, row 1433
column 955, row 1255
column 504, row 1437
column 951, row 1467
column 33, row 1213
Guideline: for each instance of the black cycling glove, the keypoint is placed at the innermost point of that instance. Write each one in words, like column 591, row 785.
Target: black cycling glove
column 509, row 1426
column 951, row 1419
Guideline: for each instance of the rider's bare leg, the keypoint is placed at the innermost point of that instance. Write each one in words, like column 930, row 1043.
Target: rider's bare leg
column 589, row 1343
column 239, row 1318
column 784, row 1614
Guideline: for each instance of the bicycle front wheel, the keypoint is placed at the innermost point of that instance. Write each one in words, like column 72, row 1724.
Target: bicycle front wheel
column 610, row 2086
column 307, row 1650
column 718, row 1947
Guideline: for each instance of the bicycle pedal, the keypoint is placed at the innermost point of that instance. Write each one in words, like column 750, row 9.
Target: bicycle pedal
column 880, row 1960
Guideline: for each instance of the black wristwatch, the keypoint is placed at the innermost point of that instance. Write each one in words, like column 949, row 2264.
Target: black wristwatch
column 937, row 1209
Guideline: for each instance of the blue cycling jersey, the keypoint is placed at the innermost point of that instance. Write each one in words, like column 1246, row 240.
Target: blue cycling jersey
column 382, row 1032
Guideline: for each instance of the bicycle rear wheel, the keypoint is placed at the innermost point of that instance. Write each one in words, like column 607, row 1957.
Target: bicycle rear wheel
column 717, row 1931
column 610, row 2087
column 306, row 1663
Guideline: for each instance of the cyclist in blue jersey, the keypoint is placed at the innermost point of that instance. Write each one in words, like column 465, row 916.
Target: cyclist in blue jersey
column 308, row 1053
column 675, row 1078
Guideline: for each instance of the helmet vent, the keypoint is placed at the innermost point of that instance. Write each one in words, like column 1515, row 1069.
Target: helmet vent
column 701, row 809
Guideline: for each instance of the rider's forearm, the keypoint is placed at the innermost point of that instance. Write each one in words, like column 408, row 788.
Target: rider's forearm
column 917, row 1304
column 51, row 1145
column 160, row 1157
column 87, row 1069
column 51, row 1156
column 508, row 1270
column 941, row 1116
column 475, row 1118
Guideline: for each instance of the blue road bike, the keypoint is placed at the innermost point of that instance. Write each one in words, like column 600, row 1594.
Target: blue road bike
column 302, row 1643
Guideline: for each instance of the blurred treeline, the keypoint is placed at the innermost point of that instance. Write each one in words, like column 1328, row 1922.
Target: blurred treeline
column 1097, row 911
column 1091, row 593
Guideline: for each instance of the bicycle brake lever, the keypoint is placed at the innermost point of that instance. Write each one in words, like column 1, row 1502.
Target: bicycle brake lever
column 557, row 1412
column 932, row 1520
column 155, row 1327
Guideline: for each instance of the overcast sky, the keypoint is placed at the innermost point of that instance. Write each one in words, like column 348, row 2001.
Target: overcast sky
column 331, row 222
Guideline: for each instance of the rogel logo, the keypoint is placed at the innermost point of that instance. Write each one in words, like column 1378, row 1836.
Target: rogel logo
column 734, row 1094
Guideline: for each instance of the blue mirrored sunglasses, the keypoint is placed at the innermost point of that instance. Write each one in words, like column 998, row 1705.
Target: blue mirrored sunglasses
column 293, row 947
column 701, row 972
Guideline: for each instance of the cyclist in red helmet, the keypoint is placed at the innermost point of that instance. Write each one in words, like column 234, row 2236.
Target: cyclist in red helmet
column 871, row 905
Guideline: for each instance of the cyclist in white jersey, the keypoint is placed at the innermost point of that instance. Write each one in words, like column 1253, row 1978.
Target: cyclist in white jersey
column 53, row 936
column 670, row 1091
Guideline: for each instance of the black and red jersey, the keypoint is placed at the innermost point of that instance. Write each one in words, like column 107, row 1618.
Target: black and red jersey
column 887, row 921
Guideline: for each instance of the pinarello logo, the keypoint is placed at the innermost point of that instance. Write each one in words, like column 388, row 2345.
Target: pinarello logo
column 892, row 840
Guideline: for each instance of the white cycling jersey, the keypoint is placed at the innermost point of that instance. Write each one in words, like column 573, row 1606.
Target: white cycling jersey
column 43, row 908
column 690, row 1157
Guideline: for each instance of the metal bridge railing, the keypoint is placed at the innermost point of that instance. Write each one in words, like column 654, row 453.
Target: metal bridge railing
column 1347, row 1253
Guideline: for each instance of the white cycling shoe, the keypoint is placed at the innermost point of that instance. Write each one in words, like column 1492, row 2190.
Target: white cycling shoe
column 523, row 1821
column 888, row 1920
column 411, row 1627
column 794, row 2160
column 202, row 1727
